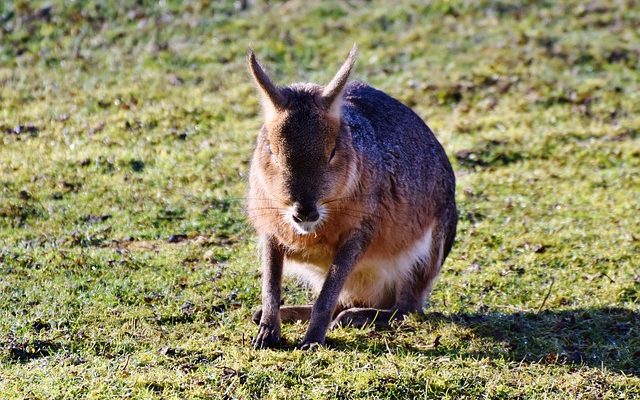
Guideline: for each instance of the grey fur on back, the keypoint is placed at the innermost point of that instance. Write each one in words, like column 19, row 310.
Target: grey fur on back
column 402, row 147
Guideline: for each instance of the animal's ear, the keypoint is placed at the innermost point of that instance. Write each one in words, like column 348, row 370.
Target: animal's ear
column 332, row 93
column 272, row 97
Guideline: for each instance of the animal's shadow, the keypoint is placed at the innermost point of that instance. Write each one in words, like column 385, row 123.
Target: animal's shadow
column 598, row 337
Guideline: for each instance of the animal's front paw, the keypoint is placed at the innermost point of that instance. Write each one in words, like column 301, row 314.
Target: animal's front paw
column 268, row 337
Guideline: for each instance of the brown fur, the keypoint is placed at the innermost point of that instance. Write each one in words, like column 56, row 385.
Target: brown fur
column 383, row 191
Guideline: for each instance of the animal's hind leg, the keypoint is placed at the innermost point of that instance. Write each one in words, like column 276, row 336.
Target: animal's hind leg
column 289, row 314
column 410, row 294
column 363, row 317
column 416, row 289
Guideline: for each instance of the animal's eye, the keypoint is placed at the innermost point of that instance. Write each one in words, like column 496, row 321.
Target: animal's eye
column 333, row 153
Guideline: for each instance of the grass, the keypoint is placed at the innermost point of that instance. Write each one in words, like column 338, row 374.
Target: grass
column 128, row 269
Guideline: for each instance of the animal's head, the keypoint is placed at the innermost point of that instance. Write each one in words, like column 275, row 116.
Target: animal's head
column 304, row 154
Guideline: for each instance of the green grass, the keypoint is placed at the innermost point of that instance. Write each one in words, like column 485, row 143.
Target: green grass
column 122, row 126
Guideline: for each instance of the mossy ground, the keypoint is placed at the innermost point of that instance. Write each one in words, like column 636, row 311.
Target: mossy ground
column 127, row 267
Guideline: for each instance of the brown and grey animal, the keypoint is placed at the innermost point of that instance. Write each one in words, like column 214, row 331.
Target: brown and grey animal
column 352, row 192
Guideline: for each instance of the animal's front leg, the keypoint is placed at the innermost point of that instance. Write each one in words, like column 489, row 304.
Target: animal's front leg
column 323, row 309
column 269, row 327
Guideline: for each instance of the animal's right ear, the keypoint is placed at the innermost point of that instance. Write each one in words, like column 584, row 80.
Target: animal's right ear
column 272, row 98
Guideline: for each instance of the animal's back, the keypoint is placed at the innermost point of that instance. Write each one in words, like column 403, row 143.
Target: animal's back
column 411, row 165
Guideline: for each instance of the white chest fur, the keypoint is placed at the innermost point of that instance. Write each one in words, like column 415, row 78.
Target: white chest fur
column 374, row 280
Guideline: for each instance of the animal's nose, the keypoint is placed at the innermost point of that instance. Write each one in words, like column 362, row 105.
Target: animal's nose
column 305, row 213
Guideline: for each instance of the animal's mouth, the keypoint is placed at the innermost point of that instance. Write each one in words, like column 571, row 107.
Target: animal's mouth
column 306, row 227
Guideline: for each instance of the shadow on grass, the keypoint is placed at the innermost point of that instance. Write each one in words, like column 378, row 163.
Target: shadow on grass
column 597, row 337
column 24, row 352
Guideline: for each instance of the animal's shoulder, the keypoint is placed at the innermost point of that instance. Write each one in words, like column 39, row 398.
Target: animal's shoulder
column 385, row 115
column 374, row 115
column 374, row 104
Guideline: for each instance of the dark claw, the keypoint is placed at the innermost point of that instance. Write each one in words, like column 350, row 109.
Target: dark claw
column 267, row 337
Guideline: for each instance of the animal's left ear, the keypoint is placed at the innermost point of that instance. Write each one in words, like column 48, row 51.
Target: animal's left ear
column 332, row 93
